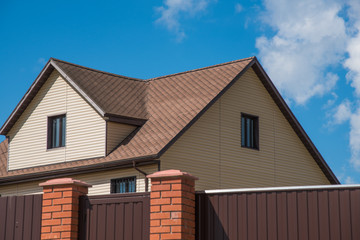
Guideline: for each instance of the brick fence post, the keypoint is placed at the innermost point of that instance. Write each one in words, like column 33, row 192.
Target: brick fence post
column 60, row 208
column 172, row 205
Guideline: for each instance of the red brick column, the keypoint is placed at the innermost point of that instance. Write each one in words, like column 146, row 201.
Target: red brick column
column 172, row 205
column 60, row 208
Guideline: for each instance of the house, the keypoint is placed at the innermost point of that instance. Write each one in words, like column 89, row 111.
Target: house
column 226, row 124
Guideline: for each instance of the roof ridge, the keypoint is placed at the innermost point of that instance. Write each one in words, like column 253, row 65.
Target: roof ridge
column 99, row 71
column 199, row 69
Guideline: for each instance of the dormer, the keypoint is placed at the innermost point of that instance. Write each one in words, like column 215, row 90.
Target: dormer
column 73, row 113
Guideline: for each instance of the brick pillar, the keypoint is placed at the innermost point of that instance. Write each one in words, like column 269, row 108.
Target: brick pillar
column 60, row 208
column 172, row 205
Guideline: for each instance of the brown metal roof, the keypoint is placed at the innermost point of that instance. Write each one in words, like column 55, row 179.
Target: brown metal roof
column 173, row 104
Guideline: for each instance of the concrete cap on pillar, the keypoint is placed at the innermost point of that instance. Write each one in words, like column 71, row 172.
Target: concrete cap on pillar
column 171, row 173
column 64, row 181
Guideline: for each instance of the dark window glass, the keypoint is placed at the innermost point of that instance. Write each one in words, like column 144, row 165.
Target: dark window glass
column 56, row 131
column 123, row 185
column 249, row 131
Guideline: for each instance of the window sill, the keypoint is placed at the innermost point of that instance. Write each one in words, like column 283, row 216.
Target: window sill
column 56, row 148
column 251, row 148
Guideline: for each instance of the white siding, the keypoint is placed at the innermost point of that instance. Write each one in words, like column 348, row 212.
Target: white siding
column 211, row 148
column 99, row 180
column 116, row 133
column 85, row 130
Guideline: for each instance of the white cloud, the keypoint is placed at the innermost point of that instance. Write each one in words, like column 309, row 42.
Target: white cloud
column 174, row 10
column 342, row 112
column 238, row 8
column 352, row 63
column 349, row 180
column 309, row 38
column 42, row 61
column 355, row 139
column 331, row 101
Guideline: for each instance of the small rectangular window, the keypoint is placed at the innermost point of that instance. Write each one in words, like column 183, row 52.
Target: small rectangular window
column 249, row 131
column 123, row 185
column 56, row 131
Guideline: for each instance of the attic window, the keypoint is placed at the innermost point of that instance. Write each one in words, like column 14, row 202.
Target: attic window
column 249, row 131
column 56, row 131
column 123, row 185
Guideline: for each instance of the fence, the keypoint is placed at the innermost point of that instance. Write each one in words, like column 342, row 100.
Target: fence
column 314, row 213
column 115, row 216
column 169, row 211
column 20, row 217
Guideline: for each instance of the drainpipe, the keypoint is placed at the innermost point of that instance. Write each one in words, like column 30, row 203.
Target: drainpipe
column 144, row 173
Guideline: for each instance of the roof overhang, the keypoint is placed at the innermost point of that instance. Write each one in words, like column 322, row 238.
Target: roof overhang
column 63, row 172
column 284, row 108
column 27, row 98
column 123, row 119
column 34, row 89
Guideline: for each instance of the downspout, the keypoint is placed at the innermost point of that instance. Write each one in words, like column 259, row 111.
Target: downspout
column 145, row 174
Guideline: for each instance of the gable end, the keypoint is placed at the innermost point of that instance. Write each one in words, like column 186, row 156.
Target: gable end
column 284, row 108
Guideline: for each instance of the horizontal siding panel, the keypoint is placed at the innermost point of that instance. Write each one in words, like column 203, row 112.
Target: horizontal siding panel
column 100, row 182
column 21, row 189
column 116, row 133
column 85, row 133
column 211, row 148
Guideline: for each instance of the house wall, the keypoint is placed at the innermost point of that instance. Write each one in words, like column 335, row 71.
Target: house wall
column 116, row 133
column 211, row 148
column 99, row 180
column 28, row 137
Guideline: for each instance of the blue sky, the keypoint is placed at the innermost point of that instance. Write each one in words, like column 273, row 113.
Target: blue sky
column 309, row 48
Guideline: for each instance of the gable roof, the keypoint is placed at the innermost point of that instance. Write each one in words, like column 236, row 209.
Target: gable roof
column 109, row 94
column 166, row 107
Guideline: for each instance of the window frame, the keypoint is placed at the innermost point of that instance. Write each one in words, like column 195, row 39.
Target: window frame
column 127, row 187
column 255, row 130
column 62, row 131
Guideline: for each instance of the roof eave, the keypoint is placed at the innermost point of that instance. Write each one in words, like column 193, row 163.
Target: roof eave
column 33, row 90
column 104, row 166
column 124, row 119
column 27, row 97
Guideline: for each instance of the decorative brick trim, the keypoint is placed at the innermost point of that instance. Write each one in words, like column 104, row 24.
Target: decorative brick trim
column 172, row 205
column 60, row 208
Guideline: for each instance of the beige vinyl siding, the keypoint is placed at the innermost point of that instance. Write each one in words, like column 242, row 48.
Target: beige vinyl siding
column 211, row 148
column 100, row 182
column 21, row 189
column 116, row 133
column 85, row 128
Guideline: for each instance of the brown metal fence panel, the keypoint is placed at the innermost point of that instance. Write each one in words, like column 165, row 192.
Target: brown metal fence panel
column 115, row 216
column 20, row 217
column 319, row 214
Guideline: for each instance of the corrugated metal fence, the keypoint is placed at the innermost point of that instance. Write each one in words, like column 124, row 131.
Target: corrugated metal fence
column 329, row 214
column 20, row 217
column 115, row 216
